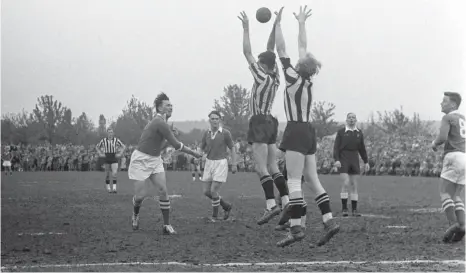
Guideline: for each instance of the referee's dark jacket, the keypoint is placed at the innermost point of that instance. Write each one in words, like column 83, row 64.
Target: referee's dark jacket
column 349, row 142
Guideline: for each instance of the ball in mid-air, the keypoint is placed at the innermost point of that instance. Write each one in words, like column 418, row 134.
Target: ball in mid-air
column 263, row 15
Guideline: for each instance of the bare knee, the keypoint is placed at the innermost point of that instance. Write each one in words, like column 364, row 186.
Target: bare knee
column 261, row 170
column 207, row 193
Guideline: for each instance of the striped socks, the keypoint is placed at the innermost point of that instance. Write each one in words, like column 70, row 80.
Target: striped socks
column 323, row 201
column 165, row 207
column 267, row 185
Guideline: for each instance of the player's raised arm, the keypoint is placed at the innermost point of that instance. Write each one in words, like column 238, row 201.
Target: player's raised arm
column 302, row 38
column 271, row 41
column 246, row 41
column 279, row 40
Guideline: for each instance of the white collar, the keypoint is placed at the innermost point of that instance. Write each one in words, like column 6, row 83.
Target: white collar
column 220, row 129
column 351, row 129
column 164, row 117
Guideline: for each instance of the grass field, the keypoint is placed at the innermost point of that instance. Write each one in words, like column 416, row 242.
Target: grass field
column 66, row 221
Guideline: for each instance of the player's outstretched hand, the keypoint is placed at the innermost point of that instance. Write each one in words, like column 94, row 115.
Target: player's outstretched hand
column 196, row 154
column 244, row 19
column 433, row 146
column 234, row 168
column 367, row 167
column 278, row 19
column 303, row 14
column 337, row 164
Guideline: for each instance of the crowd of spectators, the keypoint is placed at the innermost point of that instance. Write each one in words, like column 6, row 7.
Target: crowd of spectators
column 388, row 155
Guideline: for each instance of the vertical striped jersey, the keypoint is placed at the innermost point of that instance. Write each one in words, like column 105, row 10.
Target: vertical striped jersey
column 263, row 90
column 298, row 94
column 110, row 146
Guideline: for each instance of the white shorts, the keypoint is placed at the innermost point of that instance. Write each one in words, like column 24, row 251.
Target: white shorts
column 6, row 163
column 143, row 165
column 453, row 167
column 215, row 170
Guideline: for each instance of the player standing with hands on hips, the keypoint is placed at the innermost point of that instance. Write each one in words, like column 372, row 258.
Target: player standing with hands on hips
column 111, row 149
column 349, row 145
column 214, row 143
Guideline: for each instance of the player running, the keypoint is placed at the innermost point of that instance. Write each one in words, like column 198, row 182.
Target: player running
column 146, row 166
column 452, row 134
column 299, row 140
column 263, row 127
column 349, row 145
column 111, row 149
column 215, row 143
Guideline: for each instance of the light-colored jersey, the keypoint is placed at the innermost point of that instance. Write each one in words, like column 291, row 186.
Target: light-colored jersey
column 457, row 133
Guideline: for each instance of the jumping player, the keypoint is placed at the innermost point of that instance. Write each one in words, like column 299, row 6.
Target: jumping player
column 146, row 166
column 452, row 134
column 111, row 148
column 214, row 144
column 263, row 127
column 349, row 145
column 299, row 140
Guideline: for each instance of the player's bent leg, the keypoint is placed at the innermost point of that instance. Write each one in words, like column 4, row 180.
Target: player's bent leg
column 219, row 177
column 277, row 176
column 260, row 152
column 295, row 166
column 354, row 195
column 114, row 168
column 323, row 201
column 344, row 193
column 140, row 193
column 160, row 182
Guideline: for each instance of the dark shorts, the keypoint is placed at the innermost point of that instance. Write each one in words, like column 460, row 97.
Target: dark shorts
column 110, row 159
column 350, row 163
column 299, row 137
column 263, row 129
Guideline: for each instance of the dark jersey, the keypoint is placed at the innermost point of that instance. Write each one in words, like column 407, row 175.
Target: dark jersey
column 457, row 132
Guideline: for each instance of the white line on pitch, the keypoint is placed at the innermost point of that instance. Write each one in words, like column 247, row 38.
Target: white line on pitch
column 449, row 262
column 396, row 226
column 41, row 233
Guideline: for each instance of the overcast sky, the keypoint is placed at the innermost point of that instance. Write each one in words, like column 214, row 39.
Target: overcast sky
column 92, row 55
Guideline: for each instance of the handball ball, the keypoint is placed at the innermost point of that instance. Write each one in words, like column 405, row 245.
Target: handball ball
column 263, row 15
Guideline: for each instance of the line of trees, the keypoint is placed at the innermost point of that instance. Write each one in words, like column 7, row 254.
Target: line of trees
column 51, row 121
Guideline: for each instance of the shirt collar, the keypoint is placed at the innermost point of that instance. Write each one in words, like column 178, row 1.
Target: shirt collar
column 351, row 129
column 455, row 112
column 220, row 129
column 164, row 117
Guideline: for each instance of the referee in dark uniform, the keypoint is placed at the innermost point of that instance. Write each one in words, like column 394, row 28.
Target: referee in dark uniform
column 111, row 149
column 349, row 144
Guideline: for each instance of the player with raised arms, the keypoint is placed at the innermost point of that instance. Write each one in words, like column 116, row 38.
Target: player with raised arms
column 263, row 127
column 146, row 166
column 299, row 139
column 452, row 133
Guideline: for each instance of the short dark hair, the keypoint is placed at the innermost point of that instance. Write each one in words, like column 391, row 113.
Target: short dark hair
column 454, row 97
column 215, row 112
column 350, row 113
column 159, row 100
column 268, row 58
